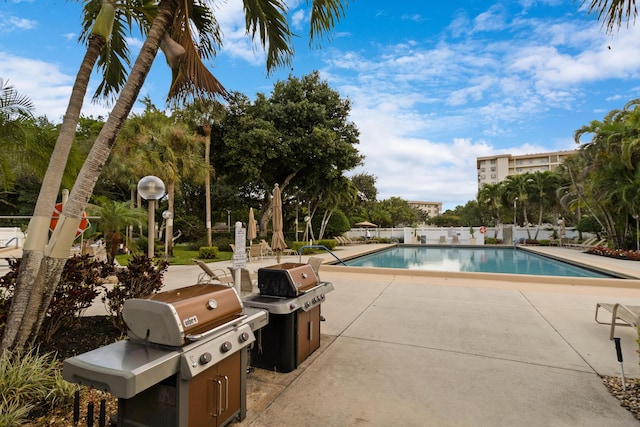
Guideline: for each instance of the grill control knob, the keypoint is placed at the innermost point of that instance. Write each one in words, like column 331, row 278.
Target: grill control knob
column 225, row 347
column 205, row 358
column 307, row 304
column 243, row 337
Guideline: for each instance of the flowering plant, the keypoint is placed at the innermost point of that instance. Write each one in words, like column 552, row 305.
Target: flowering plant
column 615, row 253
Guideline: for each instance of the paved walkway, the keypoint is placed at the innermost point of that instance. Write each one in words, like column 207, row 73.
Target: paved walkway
column 423, row 349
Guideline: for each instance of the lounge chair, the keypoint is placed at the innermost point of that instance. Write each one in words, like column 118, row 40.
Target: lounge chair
column 585, row 244
column 443, row 240
column 267, row 251
column 628, row 314
column 248, row 282
column 255, row 252
column 209, row 275
column 455, row 239
column 315, row 263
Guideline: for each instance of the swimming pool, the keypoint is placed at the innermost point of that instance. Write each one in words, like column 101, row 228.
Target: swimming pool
column 472, row 259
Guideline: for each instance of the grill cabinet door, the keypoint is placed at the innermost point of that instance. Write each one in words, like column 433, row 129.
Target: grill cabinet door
column 214, row 395
column 308, row 332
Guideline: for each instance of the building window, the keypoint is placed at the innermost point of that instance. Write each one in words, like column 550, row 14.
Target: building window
column 493, row 176
column 493, row 169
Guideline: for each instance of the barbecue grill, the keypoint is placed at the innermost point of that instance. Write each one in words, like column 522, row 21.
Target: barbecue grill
column 292, row 294
column 184, row 362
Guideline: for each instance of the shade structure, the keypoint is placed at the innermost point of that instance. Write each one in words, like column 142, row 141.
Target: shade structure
column 277, row 242
column 365, row 224
column 252, row 232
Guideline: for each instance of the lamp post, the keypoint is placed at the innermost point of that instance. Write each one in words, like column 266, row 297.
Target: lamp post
column 228, row 221
column 515, row 207
column 636, row 217
column 168, row 217
column 151, row 188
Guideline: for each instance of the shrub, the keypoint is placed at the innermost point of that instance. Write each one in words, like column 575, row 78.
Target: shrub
column 7, row 285
column 76, row 291
column 30, row 382
column 141, row 278
column 208, row 252
column 79, row 286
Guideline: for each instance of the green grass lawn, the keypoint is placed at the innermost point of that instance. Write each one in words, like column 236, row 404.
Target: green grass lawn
column 181, row 256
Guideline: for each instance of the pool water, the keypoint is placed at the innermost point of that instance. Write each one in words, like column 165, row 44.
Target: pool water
column 476, row 260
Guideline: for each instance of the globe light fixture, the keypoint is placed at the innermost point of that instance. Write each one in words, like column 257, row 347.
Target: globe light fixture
column 151, row 188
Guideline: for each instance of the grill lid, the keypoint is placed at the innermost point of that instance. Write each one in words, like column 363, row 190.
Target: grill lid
column 286, row 280
column 167, row 318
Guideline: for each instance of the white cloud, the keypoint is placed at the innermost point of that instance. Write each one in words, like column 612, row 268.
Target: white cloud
column 45, row 84
column 12, row 23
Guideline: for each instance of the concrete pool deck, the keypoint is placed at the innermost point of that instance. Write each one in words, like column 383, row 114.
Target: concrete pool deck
column 414, row 348
column 421, row 350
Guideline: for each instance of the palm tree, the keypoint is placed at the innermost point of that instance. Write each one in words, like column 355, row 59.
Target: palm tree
column 265, row 18
column 518, row 187
column 543, row 186
column 201, row 114
column 492, row 194
column 167, row 148
column 114, row 217
column 39, row 224
column 15, row 112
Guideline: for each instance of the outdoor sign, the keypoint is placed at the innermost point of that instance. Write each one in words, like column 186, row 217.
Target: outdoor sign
column 240, row 255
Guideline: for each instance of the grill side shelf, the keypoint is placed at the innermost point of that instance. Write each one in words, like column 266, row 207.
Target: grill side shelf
column 123, row 368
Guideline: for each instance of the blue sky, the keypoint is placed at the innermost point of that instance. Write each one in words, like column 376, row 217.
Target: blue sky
column 432, row 86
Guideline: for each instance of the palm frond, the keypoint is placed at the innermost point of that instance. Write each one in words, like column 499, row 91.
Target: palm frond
column 325, row 14
column 13, row 105
column 191, row 79
column 267, row 19
column 613, row 13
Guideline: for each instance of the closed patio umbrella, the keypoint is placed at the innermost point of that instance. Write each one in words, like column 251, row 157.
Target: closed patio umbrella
column 252, row 232
column 277, row 242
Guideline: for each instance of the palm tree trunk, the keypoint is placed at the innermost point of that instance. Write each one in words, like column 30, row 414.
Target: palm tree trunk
column 57, row 251
column 207, row 182
column 171, row 192
column 33, row 250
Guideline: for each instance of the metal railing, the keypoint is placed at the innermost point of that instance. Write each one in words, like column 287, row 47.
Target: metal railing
column 320, row 247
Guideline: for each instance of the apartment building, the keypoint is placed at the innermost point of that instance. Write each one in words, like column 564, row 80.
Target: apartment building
column 494, row 169
column 433, row 209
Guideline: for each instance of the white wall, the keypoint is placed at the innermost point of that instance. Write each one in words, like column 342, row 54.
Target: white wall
column 11, row 236
column 432, row 234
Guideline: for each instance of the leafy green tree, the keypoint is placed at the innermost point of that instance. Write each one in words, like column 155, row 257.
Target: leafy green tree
column 398, row 213
column 299, row 136
column 366, row 185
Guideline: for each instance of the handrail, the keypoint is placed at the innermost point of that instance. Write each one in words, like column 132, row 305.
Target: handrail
column 6, row 245
column 320, row 247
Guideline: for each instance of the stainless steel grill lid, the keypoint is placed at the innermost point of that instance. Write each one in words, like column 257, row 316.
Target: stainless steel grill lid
column 167, row 318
